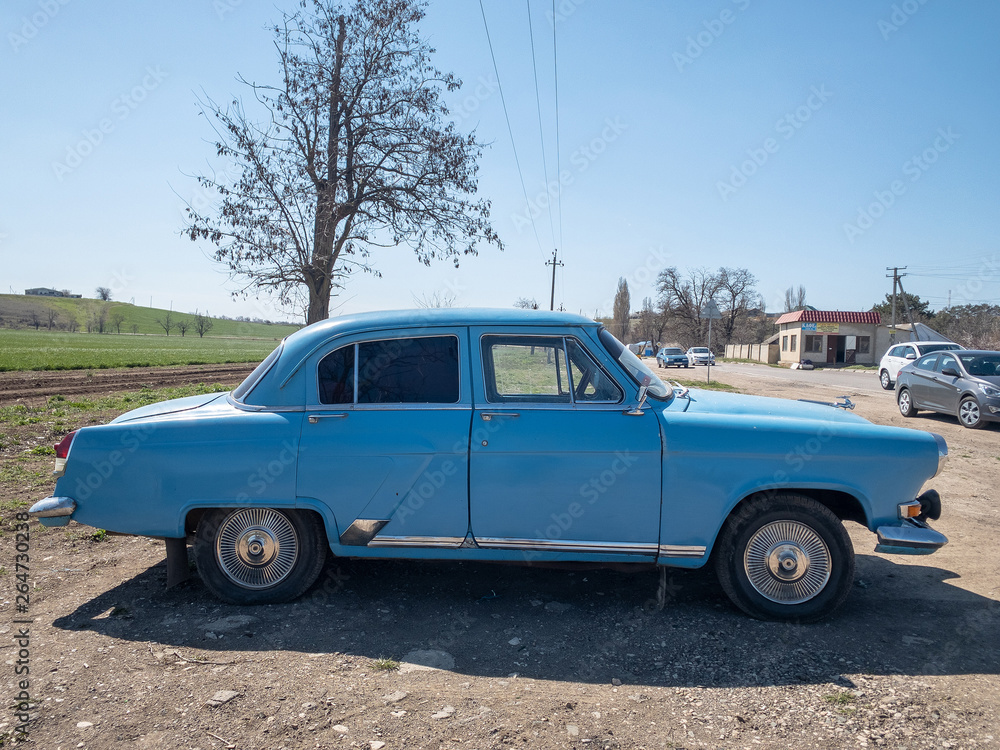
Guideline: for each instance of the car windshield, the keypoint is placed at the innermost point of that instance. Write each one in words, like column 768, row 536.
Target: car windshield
column 673, row 351
column 981, row 365
column 699, row 349
column 251, row 380
column 641, row 374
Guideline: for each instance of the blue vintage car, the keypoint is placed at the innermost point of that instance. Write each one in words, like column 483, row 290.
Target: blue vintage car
column 514, row 436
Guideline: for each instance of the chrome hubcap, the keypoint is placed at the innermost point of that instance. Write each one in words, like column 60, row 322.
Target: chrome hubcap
column 787, row 562
column 969, row 412
column 885, row 380
column 904, row 402
column 257, row 547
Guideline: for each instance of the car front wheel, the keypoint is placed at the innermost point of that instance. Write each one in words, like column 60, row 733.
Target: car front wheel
column 905, row 403
column 970, row 414
column 885, row 380
column 259, row 555
column 785, row 557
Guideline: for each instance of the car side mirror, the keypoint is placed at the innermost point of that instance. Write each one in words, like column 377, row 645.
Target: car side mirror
column 637, row 411
column 951, row 372
column 911, row 355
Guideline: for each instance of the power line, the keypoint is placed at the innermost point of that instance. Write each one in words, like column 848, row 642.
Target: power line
column 538, row 105
column 510, row 131
column 555, row 73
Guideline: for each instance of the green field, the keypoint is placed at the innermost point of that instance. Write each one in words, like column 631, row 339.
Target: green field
column 42, row 350
column 16, row 312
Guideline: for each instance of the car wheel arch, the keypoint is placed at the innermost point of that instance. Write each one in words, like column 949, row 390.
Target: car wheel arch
column 192, row 515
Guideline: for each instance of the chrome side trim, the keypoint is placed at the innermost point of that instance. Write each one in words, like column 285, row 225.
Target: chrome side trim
column 942, row 447
column 567, row 545
column 682, row 550
column 52, row 507
column 362, row 531
column 417, row 541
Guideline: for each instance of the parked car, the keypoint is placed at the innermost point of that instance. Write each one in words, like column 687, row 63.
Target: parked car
column 965, row 384
column 903, row 354
column 671, row 356
column 510, row 436
column 700, row 355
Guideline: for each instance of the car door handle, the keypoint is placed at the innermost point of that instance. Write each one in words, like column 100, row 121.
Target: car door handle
column 488, row 415
column 314, row 418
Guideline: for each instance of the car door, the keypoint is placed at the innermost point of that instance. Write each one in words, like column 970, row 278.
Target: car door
column 944, row 390
column 921, row 379
column 385, row 439
column 899, row 357
column 557, row 467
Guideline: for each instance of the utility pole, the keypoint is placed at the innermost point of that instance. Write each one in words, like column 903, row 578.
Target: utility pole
column 553, row 263
column 896, row 276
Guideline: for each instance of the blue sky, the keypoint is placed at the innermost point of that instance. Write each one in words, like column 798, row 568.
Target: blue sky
column 813, row 143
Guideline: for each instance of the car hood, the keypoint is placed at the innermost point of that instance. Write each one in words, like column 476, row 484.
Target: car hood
column 720, row 403
column 993, row 380
column 169, row 407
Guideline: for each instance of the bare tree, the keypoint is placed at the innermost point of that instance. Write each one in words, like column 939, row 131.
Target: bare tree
column 737, row 296
column 135, row 328
column 650, row 322
column 97, row 318
column 437, row 299
column 167, row 322
column 52, row 316
column 683, row 298
column 35, row 317
column 795, row 299
column 355, row 150
column 182, row 325
column 622, row 310
column 523, row 303
column 115, row 319
column 103, row 293
column 73, row 325
column 202, row 324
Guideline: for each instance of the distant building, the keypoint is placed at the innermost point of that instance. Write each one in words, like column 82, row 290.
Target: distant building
column 46, row 292
column 830, row 336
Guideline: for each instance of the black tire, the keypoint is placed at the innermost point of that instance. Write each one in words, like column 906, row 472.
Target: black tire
column 970, row 414
column 904, row 400
column 259, row 555
column 884, row 380
column 785, row 557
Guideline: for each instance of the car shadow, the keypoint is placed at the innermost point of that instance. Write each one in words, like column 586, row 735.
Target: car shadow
column 574, row 625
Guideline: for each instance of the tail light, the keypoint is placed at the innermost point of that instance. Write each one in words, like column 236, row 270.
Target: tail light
column 62, row 453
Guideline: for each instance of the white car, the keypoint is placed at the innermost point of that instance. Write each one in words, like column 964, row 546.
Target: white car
column 902, row 354
column 700, row 355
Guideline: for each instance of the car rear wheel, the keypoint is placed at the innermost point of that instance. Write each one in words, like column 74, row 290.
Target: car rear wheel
column 885, row 380
column 970, row 414
column 905, row 403
column 785, row 557
column 259, row 555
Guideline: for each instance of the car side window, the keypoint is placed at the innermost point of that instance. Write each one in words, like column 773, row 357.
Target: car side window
column 526, row 368
column 926, row 363
column 393, row 371
column 947, row 360
column 590, row 383
column 896, row 351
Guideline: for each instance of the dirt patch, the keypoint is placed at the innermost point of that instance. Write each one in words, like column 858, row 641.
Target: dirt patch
column 534, row 657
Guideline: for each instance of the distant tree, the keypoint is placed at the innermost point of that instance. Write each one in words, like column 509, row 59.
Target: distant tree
column 103, row 293
column 621, row 311
column 523, row 303
column 97, row 318
column 166, row 322
column 52, row 316
column 182, row 325
column 795, row 299
column 73, row 325
column 135, row 328
column 437, row 299
column 650, row 322
column 920, row 309
column 973, row 326
column 355, row 150
column 737, row 296
column 202, row 324
column 35, row 317
column 683, row 296
column 115, row 319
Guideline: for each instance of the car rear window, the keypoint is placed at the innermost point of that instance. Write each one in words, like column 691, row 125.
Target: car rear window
column 392, row 371
column 928, row 348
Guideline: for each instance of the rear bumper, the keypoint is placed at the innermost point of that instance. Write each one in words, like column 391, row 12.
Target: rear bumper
column 53, row 511
column 910, row 538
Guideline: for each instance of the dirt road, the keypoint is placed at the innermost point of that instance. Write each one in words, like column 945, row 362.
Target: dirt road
column 530, row 658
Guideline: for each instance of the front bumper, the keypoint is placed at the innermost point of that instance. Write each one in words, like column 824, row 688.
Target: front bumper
column 53, row 511
column 912, row 537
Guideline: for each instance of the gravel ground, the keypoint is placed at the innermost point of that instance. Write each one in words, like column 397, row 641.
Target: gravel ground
column 429, row 655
